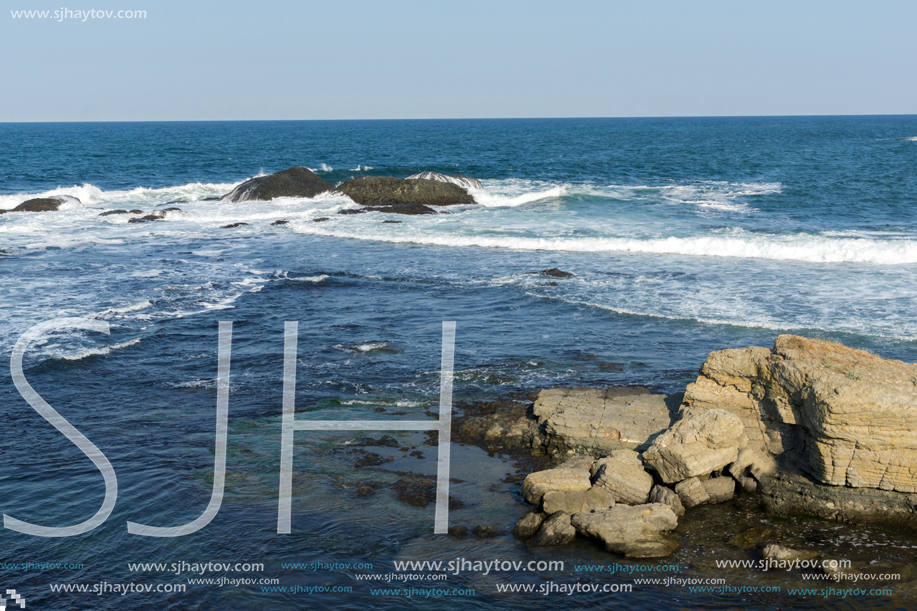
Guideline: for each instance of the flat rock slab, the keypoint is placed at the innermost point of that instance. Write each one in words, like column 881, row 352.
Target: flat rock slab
column 599, row 420
column 625, row 480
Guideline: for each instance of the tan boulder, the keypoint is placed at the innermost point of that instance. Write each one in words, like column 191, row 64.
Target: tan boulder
column 692, row 493
column 700, row 443
column 666, row 496
column 719, row 489
column 622, row 475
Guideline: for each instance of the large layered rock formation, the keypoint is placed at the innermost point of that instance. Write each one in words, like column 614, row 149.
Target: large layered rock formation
column 844, row 418
column 294, row 182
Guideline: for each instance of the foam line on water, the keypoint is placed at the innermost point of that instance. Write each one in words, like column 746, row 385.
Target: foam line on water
column 799, row 247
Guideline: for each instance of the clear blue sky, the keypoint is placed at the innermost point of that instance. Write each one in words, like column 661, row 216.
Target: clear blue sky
column 354, row 59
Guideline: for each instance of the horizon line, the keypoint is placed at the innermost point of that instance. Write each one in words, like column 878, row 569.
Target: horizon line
column 775, row 116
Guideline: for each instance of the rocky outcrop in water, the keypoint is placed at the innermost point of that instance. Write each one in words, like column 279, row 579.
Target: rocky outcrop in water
column 811, row 426
column 402, row 195
column 43, row 204
column 294, row 182
column 465, row 182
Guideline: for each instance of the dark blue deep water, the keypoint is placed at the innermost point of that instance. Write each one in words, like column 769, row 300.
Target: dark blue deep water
column 684, row 236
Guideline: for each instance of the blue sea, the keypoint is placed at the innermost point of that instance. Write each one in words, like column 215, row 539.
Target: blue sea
column 682, row 235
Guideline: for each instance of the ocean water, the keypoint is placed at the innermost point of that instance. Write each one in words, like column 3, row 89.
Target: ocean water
column 684, row 236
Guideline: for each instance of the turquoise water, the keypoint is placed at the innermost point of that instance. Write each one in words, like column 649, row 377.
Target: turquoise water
column 684, row 235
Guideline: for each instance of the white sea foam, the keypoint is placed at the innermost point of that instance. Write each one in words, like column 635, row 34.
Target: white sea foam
column 150, row 273
column 86, row 193
column 746, row 321
column 103, row 351
column 798, row 247
column 724, row 206
column 912, row 139
column 370, row 346
column 124, row 309
column 318, row 278
column 199, row 383
column 362, row 168
column 514, row 193
column 397, row 403
column 91, row 195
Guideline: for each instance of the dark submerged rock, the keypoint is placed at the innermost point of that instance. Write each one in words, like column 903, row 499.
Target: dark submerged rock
column 294, row 182
column 402, row 209
column 148, row 218
column 155, row 215
column 233, row 225
column 755, row 537
column 110, row 212
column 280, row 222
column 420, row 493
column 555, row 273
